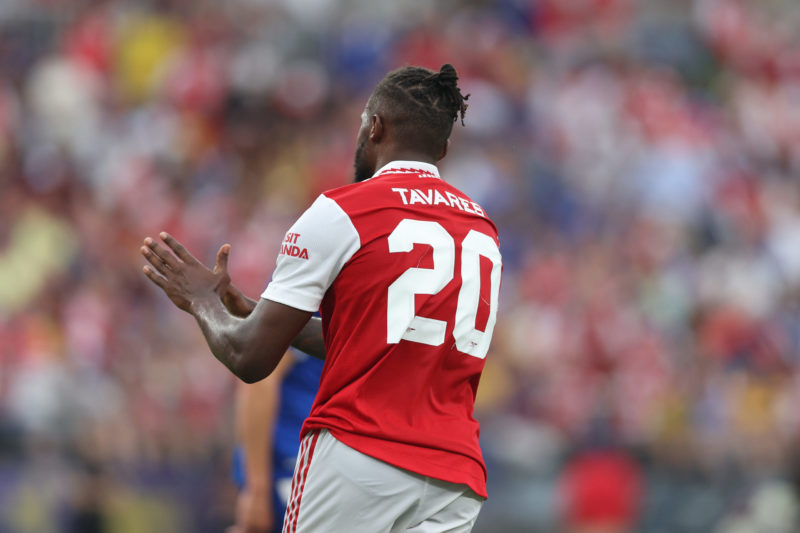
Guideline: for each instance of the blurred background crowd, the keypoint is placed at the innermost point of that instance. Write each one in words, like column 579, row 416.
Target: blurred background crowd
column 641, row 159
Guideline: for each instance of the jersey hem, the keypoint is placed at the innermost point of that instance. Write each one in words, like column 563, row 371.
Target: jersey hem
column 430, row 469
column 291, row 298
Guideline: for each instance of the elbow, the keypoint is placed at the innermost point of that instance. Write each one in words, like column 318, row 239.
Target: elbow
column 253, row 367
column 249, row 378
column 250, row 374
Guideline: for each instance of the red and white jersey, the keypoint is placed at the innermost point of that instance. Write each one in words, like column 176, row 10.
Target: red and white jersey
column 405, row 270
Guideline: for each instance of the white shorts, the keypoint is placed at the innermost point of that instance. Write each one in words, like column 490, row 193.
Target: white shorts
column 338, row 489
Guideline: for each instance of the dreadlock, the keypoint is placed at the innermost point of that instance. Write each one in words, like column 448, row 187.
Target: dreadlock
column 422, row 104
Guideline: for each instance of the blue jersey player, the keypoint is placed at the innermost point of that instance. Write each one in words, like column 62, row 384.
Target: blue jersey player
column 269, row 415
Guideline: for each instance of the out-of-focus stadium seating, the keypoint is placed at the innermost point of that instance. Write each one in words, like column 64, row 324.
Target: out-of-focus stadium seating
column 641, row 160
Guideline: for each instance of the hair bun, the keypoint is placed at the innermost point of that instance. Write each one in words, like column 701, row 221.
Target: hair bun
column 446, row 77
column 446, row 81
column 447, row 74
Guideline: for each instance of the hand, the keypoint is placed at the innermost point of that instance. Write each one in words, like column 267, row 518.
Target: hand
column 253, row 513
column 236, row 302
column 182, row 277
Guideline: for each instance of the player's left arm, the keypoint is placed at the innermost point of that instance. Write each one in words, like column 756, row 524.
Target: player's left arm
column 309, row 340
column 250, row 347
column 237, row 303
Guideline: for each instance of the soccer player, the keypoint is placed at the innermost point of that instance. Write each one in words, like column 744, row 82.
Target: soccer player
column 269, row 415
column 405, row 270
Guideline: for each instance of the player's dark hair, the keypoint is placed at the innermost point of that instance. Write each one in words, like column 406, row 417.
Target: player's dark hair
column 422, row 105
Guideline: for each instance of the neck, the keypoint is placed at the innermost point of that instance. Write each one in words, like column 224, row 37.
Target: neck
column 403, row 155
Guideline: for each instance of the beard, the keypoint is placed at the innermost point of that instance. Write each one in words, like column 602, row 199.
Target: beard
column 362, row 169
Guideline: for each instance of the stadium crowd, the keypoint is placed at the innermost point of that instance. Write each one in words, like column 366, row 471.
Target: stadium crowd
column 641, row 160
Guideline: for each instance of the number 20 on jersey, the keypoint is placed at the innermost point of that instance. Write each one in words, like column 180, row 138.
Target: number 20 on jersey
column 401, row 321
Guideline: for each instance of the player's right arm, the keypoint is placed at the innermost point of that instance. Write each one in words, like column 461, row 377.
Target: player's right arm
column 250, row 347
column 315, row 249
column 247, row 336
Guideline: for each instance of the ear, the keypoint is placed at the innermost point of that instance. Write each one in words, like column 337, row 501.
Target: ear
column 376, row 129
column 444, row 150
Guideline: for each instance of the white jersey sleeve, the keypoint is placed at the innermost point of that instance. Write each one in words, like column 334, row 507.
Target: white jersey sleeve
column 313, row 252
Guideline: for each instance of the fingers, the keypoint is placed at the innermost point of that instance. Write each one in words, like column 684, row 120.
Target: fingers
column 154, row 277
column 177, row 247
column 160, row 258
column 222, row 259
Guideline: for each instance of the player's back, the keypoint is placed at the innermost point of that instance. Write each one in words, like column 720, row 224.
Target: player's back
column 407, row 324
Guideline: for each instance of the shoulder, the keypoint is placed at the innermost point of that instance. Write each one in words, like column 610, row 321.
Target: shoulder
column 355, row 198
column 351, row 190
column 321, row 233
column 325, row 208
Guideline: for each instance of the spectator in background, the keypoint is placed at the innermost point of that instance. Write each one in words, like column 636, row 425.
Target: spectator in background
column 602, row 492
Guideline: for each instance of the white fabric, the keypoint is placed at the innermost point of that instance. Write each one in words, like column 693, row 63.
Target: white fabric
column 345, row 490
column 409, row 167
column 327, row 236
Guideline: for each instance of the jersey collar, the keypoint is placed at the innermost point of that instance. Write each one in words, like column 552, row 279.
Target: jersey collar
column 425, row 170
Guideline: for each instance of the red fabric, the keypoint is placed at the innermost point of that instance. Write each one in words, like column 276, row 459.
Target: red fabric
column 602, row 488
column 409, row 404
